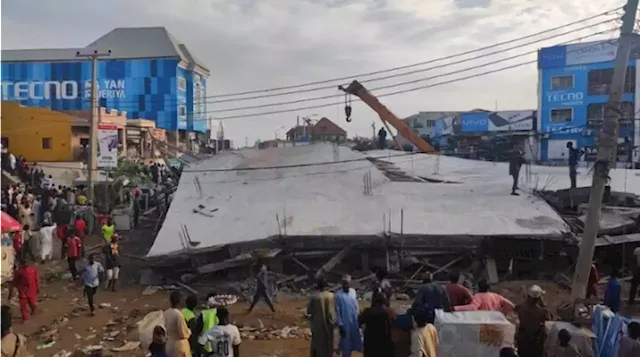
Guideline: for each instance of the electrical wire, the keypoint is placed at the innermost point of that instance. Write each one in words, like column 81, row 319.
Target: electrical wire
column 448, row 64
column 418, row 63
column 413, row 81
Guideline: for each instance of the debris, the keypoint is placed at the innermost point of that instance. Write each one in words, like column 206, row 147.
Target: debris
column 129, row 346
column 105, row 305
column 150, row 290
column 44, row 346
column 187, row 288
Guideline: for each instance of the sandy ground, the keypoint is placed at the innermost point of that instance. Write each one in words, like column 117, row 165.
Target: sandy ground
column 64, row 314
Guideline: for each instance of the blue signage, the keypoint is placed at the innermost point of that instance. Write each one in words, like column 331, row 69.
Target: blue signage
column 552, row 57
column 144, row 88
column 474, row 122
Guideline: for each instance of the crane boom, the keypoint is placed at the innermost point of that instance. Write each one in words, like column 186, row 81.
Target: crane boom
column 357, row 89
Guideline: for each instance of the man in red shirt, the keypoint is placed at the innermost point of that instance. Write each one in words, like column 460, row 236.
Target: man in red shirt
column 62, row 233
column 458, row 294
column 592, row 284
column 73, row 244
column 27, row 282
column 80, row 226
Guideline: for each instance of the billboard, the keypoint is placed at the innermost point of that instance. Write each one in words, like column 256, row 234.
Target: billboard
column 144, row 88
column 584, row 53
column 107, row 146
column 480, row 122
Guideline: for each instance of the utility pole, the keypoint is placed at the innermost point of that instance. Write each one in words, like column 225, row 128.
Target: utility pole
column 93, row 124
column 373, row 126
column 607, row 142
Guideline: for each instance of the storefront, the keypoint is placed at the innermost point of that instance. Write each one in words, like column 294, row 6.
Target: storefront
column 574, row 84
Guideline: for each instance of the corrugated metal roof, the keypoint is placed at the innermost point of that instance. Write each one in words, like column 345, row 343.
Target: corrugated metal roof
column 124, row 43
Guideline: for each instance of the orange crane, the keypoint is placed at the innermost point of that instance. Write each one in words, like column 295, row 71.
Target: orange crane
column 357, row 89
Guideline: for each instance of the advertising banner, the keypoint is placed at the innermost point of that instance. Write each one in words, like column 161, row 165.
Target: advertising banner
column 584, row 53
column 636, row 116
column 498, row 121
column 107, row 146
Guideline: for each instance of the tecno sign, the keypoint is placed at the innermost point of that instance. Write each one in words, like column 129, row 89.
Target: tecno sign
column 39, row 90
column 65, row 90
column 566, row 99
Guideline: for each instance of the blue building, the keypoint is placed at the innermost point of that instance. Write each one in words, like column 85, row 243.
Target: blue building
column 149, row 74
column 573, row 87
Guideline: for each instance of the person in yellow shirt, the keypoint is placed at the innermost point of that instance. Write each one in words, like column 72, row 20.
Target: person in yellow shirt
column 81, row 199
column 107, row 230
column 424, row 337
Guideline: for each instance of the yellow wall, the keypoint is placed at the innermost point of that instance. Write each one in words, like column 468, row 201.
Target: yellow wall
column 25, row 127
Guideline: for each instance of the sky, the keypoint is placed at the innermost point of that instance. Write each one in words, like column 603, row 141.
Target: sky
column 261, row 44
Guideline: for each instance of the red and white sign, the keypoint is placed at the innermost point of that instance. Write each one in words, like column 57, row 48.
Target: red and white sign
column 107, row 146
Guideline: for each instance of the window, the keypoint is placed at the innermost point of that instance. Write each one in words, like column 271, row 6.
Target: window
column 596, row 111
column 47, row 143
column 561, row 82
column 182, row 110
column 182, row 83
column 600, row 80
column 563, row 115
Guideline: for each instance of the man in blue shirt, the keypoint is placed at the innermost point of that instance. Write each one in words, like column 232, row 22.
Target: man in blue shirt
column 574, row 156
column 613, row 291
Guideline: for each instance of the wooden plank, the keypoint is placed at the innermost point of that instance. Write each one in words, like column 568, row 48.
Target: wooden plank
column 333, row 261
column 492, row 271
column 303, row 265
column 187, row 288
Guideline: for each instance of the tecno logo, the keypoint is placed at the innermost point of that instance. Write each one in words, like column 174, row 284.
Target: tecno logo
column 565, row 97
column 47, row 90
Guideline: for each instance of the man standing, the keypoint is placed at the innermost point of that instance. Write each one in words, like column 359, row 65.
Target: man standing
column 321, row 312
column 515, row 163
column 347, row 314
column 532, row 334
column 189, row 313
column 635, row 281
column 378, row 321
column 177, row 331
column 224, row 337
column 91, row 279
column 613, row 291
column 574, row 157
column 73, row 253
column 429, row 297
column 112, row 262
column 382, row 139
column 206, row 321
column 262, row 289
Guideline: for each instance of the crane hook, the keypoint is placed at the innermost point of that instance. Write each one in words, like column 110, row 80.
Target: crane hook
column 347, row 107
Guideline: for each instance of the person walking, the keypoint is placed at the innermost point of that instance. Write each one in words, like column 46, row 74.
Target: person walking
column 74, row 245
column 91, row 280
column 347, row 316
column 112, row 262
column 322, row 318
column 108, row 230
column 564, row 347
column 80, row 228
column 262, row 289
column 27, row 283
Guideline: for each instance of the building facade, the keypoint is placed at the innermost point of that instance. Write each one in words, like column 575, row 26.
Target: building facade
column 573, row 87
column 148, row 74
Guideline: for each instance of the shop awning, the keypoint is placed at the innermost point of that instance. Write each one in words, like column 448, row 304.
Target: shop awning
column 8, row 223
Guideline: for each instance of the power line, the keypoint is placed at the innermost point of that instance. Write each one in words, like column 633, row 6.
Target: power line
column 419, row 71
column 418, row 63
column 415, row 64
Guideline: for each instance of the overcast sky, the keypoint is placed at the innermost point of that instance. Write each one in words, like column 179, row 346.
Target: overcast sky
column 256, row 44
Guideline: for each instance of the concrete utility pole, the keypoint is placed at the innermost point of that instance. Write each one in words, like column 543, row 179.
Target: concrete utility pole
column 607, row 145
column 93, row 124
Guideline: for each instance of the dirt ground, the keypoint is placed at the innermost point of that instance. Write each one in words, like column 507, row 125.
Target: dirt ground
column 63, row 313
